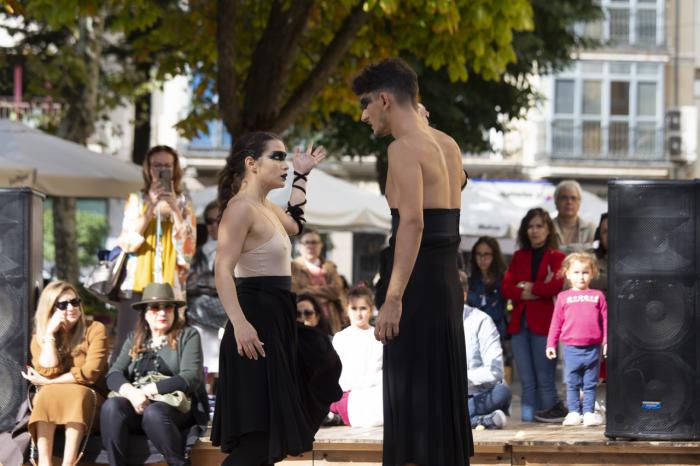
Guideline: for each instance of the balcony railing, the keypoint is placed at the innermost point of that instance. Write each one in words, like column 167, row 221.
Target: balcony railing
column 34, row 113
column 618, row 141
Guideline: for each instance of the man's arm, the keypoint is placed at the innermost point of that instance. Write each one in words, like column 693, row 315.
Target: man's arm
column 405, row 172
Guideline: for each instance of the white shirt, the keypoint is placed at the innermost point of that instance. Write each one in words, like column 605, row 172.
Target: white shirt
column 484, row 352
column 209, row 250
column 362, row 357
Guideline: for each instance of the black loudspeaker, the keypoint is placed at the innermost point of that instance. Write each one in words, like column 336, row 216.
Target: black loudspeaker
column 653, row 389
column 21, row 257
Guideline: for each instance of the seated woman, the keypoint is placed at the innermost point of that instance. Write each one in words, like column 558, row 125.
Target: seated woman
column 69, row 356
column 362, row 357
column 310, row 314
column 158, row 379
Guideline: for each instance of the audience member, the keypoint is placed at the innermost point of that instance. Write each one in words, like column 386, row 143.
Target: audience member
column 580, row 321
column 531, row 282
column 69, row 359
column 158, row 232
column 309, row 313
column 488, row 397
column 601, row 253
column 156, row 382
column 487, row 267
column 573, row 232
column 362, row 356
column 333, row 308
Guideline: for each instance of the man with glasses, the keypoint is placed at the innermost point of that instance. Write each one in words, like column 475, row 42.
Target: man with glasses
column 573, row 232
column 204, row 309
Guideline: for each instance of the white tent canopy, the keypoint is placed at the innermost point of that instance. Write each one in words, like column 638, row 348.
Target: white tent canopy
column 333, row 204
column 32, row 158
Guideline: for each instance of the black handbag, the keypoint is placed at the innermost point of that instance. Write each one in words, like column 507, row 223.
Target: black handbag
column 104, row 280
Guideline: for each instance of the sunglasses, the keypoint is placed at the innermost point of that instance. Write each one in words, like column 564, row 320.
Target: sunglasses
column 63, row 305
column 306, row 313
column 160, row 307
column 310, row 243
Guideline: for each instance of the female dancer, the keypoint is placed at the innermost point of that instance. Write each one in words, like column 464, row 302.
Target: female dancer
column 270, row 398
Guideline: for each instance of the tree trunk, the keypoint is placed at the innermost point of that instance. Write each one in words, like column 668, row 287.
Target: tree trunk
column 77, row 125
column 142, row 128
column 65, row 239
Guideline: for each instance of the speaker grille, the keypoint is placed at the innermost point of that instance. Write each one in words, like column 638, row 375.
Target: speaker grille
column 654, row 314
column 658, row 393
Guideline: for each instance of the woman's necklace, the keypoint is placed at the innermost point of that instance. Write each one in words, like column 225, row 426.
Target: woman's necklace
column 156, row 343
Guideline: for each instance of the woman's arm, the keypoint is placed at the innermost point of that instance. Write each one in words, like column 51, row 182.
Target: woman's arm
column 95, row 364
column 234, row 227
column 191, row 371
column 137, row 215
column 549, row 289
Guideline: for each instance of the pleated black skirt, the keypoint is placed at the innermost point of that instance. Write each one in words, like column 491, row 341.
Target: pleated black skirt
column 425, row 367
column 284, row 395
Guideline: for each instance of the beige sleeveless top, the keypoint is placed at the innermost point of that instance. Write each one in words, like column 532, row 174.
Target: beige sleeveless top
column 270, row 259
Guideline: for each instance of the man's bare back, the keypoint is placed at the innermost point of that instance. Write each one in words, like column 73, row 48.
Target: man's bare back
column 440, row 162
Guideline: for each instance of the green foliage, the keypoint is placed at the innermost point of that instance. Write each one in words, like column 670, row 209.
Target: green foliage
column 468, row 110
column 92, row 232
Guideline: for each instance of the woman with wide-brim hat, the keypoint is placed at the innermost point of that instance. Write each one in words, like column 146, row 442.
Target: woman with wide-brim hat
column 156, row 382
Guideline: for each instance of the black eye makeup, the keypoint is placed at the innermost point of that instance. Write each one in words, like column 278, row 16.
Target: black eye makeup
column 365, row 101
column 278, row 155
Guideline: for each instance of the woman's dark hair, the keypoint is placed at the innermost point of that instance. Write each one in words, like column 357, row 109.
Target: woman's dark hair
column 177, row 169
column 524, row 240
column 231, row 176
column 142, row 332
column 390, row 74
column 323, row 325
column 600, row 251
column 498, row 264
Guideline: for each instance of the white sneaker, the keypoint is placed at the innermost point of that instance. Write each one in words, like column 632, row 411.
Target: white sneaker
column 499, row 419
column 572, row 419
column 592, row 419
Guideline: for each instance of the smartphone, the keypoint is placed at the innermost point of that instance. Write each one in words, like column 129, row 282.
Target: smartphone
column 165, row 179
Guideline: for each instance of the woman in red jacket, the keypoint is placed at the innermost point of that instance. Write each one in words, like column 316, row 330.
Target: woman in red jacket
column 532, row 284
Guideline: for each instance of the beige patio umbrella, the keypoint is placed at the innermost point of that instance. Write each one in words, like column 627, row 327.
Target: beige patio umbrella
column 32, row 158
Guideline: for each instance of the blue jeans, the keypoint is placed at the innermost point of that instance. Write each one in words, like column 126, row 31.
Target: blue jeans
column 581, row 369
column 487, row 402
column 537, row 373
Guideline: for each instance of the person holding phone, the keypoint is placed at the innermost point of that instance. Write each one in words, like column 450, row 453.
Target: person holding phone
column 158, row 232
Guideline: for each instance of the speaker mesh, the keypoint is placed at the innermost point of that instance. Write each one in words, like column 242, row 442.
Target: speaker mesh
column 658, row 392
column 13, row 388
column 9, row 317
column 654, row 314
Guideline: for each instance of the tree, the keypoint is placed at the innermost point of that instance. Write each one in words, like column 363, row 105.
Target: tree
column 468, row 110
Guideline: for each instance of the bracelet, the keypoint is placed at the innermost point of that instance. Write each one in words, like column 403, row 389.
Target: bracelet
column 46, row 338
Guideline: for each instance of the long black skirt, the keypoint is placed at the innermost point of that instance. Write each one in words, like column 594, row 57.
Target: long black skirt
column 425, row 367
column 284, row 395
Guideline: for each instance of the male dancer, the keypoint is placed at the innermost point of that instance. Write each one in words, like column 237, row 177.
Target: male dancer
column 420, row 320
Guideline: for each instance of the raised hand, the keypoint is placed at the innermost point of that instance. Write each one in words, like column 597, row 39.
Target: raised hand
column 56, row 322
column 304, row 163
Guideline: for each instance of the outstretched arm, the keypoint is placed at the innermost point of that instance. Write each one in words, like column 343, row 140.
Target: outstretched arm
column 406, row 175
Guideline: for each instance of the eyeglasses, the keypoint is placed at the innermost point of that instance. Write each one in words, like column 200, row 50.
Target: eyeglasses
column 211, row 221
column 63, row 305
column 306, row 313
column 162, row 166
column 311, row 243
column 159, row 307
column 565, row 198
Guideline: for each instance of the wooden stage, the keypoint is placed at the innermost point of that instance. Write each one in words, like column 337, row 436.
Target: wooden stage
column 517, row 444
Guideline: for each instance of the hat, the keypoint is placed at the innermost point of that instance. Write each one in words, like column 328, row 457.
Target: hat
column 157, row 293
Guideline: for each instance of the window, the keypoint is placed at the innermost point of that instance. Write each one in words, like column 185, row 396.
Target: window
column 564, row 96
column 619, row 98
column 591, row 98
column 619, row 25
column 608, row 110
column 646, row 99
column 646, row 27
